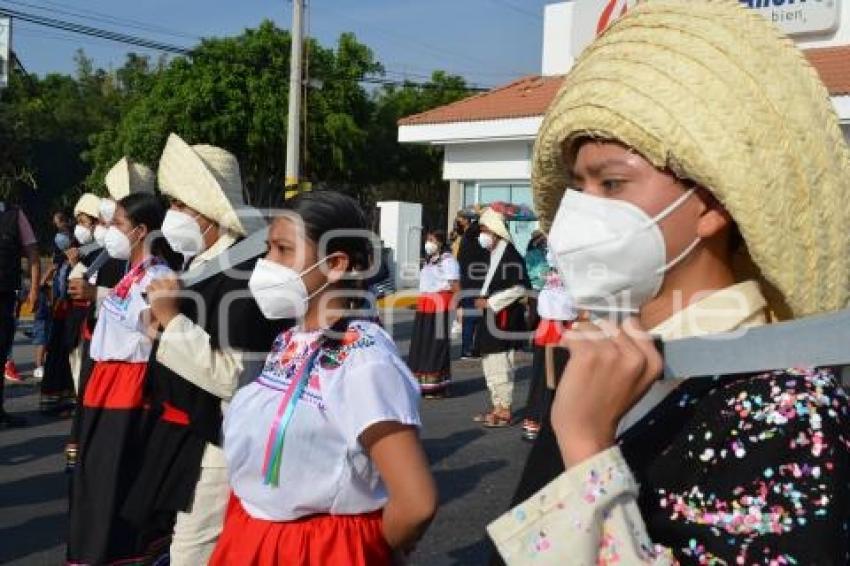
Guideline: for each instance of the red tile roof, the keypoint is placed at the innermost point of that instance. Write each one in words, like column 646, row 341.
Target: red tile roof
column 833, row 65
column 528, row 96
column 531, row 95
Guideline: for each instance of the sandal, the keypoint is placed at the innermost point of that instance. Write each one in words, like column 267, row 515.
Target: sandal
column 481, row 417
column 497, row 419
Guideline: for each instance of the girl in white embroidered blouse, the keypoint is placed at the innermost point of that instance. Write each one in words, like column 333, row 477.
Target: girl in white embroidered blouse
column 322, row 448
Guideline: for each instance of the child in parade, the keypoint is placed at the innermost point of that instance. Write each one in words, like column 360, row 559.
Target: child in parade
column 323, row 452
column 113, row 420
column 430, row 344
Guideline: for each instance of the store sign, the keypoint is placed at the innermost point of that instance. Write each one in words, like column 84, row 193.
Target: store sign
column 794, row 17
column 5, row 50
column 799, row 17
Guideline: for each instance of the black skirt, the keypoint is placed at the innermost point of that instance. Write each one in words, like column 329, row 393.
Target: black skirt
column 112, row 431
column 430, row 352
column 57, row 385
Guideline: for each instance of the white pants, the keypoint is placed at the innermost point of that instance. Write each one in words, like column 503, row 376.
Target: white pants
column 196, row 532
column 499, row 375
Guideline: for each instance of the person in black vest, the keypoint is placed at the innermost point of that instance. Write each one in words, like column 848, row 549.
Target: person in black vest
column 473, row 260
column 503, row 326
column 208, row 341
column 16, row 239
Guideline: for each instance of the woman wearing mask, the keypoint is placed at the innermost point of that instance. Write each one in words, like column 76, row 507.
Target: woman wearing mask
column 322, row 448
column 710, row 198
column 95, row 274
column 113, row 414
column 430, row 345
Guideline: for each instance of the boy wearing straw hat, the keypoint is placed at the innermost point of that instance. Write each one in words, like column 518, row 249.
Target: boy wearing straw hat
column 500, row 330
column 201, row 352
column 710, row 196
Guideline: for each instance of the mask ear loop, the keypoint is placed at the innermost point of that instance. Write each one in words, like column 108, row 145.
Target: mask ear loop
column 664, row 214
column 308, row 270
column 673, row 206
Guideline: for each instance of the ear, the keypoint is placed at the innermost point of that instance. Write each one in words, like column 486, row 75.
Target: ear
column 714, row 218
column 337, row 265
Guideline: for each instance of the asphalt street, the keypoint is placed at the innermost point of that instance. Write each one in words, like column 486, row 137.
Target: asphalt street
column 476, row 469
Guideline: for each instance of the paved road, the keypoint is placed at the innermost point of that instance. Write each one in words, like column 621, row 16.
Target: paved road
column 476, row 469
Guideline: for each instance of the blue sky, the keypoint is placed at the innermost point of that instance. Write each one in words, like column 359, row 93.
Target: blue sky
column 488, row 41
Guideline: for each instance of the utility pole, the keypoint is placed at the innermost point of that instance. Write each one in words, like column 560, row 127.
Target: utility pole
column 293, row 130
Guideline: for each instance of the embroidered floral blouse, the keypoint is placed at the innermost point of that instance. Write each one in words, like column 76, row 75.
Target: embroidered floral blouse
column 351, row 385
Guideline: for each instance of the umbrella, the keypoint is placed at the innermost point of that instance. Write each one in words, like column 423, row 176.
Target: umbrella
column 511, row 211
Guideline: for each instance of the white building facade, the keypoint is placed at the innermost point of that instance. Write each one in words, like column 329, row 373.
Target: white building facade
column 488, row 138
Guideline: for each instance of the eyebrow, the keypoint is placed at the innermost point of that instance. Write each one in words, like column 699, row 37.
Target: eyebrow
column 600, row 166
column 281, row 241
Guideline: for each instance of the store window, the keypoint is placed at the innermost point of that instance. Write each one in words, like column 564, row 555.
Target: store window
column 493, row 193
column 487, row 192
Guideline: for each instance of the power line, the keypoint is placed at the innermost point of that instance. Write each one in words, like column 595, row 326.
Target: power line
column 517, row 9
column 83, row 13
column 89, row 31
column 434, row 49
column 95, row 32
column 68, row 37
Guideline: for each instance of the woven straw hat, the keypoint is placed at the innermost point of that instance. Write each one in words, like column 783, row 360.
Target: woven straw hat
column 205, row 178
column 128, row 177
column 495, row 222
column 714, row 92
column 89, row 203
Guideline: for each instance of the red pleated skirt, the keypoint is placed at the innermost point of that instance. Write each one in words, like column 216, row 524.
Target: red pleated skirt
column 318, row 540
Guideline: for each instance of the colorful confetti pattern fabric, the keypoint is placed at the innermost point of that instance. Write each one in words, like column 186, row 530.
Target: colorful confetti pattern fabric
column 725, row 471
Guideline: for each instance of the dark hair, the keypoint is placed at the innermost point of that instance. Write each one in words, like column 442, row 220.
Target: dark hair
column 323, row 211
column 63, row 215
column 440, row 236
column 148, row 209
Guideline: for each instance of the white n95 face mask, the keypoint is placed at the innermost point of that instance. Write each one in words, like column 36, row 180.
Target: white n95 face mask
column 100, row 234
column 486, row 241
column 183, row 233
column 82, row 234
column 610, row 253
column 431, row 248
column 280, row 291
column 117, row 243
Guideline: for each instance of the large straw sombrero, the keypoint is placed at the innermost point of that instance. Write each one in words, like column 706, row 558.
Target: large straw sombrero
column 495, row 222
column 89, row 204
column 127, row 177
column 715, row 93
column 207, row 179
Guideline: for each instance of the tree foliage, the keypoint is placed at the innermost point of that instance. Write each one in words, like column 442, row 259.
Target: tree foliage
column 63, row 133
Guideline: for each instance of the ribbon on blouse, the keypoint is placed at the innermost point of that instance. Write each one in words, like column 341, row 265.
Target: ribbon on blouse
column 277, row 435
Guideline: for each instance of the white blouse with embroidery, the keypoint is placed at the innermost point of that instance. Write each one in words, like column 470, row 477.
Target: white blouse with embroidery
column 439, row 275
column 119, row 334
column 353, row 384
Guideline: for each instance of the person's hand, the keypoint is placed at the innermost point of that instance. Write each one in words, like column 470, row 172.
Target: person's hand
column 610, row 368
column 73, row 255
column 481, row 303
column 162, row 297
column 81, row 290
